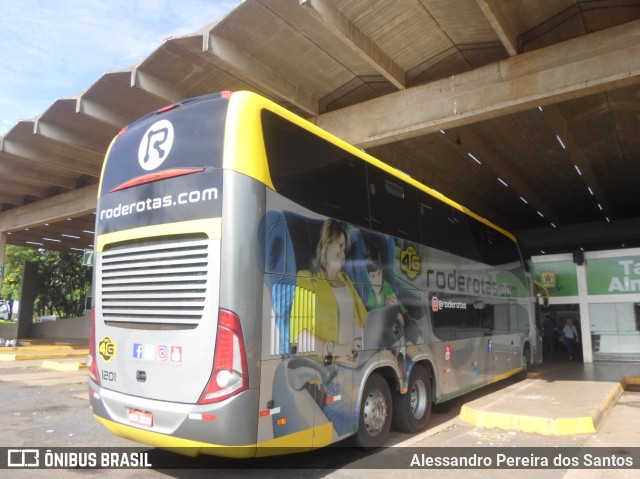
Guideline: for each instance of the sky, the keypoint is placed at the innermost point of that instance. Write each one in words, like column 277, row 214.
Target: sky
column 58, row 49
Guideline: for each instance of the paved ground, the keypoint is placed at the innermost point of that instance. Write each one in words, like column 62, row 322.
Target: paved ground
column 45, row 407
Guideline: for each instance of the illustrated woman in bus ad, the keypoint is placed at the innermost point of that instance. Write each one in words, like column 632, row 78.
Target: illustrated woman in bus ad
column 339, row 308
column 340, row 313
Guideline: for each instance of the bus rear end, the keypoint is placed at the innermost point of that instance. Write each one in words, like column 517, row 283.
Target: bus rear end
column 168, row 362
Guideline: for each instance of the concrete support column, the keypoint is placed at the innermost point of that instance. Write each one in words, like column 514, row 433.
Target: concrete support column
column 585, row 321
column 3, row 247
column 27, row 300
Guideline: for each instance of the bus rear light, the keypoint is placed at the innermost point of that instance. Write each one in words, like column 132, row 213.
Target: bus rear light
column 167, row 108
column 229, row 376
column 91, row 359
column 151, row 177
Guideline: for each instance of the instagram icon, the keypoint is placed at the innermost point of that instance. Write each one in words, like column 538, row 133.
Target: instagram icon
column 162, row 352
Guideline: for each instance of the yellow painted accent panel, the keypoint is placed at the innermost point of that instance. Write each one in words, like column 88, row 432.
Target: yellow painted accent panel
column 243, row 144
column 297, row 442
column 211, row 227
column 320, row 436
column 104, row 163
column 324, row 435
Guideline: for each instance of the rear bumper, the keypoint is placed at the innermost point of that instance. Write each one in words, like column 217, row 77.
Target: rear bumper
column 227, row 429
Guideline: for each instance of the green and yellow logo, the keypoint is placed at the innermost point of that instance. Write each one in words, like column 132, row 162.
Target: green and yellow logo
column 107, row 348
column 410, row 262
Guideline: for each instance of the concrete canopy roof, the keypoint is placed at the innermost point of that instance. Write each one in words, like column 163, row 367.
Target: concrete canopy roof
column 527, row 111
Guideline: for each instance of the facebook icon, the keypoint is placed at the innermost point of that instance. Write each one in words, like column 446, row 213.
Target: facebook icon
column 137, row 351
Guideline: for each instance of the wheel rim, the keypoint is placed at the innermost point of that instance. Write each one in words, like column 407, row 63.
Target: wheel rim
column 375, row 412
column 419, row 399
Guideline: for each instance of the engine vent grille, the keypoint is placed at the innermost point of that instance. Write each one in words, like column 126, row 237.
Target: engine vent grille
column 159, row 283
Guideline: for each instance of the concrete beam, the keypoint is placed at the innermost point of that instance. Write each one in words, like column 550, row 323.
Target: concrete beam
column 598, row 62
column 592, row 180
column 357, row 41
column 19, row 149
column 584, row 233
column 61, row 135
column 11, row 198
column 101, row 113
column 34, row 177
column 466, row 141
column 239, row 64
column 501, row 24
column 74, row 203
column 155, row 86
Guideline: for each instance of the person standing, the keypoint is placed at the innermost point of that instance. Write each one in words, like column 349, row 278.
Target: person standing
column 570, row 337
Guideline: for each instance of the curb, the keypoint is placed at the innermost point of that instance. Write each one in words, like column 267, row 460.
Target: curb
column 60, row 366
column 44, row 354
column 548, row 426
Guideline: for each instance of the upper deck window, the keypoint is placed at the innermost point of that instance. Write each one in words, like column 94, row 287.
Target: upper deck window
column 314, row 172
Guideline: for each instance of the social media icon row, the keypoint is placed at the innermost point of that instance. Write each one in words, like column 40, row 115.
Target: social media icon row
column 157, row 352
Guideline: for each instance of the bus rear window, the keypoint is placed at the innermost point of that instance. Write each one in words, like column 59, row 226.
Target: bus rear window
column 188, row 135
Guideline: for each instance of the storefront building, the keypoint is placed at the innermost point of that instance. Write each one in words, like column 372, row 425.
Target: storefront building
column 600, row 292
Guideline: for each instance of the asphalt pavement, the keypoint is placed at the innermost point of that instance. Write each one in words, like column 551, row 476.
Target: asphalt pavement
column 572, row 407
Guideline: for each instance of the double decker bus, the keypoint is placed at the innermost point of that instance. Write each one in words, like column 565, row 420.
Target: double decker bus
column 262, row 287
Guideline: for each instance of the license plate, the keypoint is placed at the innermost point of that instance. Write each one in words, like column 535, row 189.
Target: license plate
column 140, row 418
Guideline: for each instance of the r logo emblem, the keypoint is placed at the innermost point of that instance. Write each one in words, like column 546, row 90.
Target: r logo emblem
column 155, row 145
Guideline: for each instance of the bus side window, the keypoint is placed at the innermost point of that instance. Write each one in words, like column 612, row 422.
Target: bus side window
column 315, row 173
column 466, row 244
column 394, row 205
column 437, row 228
column 495, row 248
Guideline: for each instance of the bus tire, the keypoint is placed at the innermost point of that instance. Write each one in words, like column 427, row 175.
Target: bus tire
column 411, row 411
column 526, row 362
column 374, row 422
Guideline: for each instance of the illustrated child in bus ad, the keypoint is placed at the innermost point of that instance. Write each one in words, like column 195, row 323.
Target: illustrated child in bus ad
column 339, row 310
column 382, row 294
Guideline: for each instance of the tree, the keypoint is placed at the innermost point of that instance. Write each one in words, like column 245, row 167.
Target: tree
column 62, row 280
column 11, row 284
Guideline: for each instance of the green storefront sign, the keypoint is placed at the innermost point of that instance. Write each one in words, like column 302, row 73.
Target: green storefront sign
column 613, row 275
column 559, row 278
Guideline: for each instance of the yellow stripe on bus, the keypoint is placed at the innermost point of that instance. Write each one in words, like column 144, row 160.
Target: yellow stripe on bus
column 211, row 227
column 319, row 436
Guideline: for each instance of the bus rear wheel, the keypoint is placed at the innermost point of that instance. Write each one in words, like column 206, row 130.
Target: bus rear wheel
column 526, row 363
column 375, row 413
column 411, row 410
